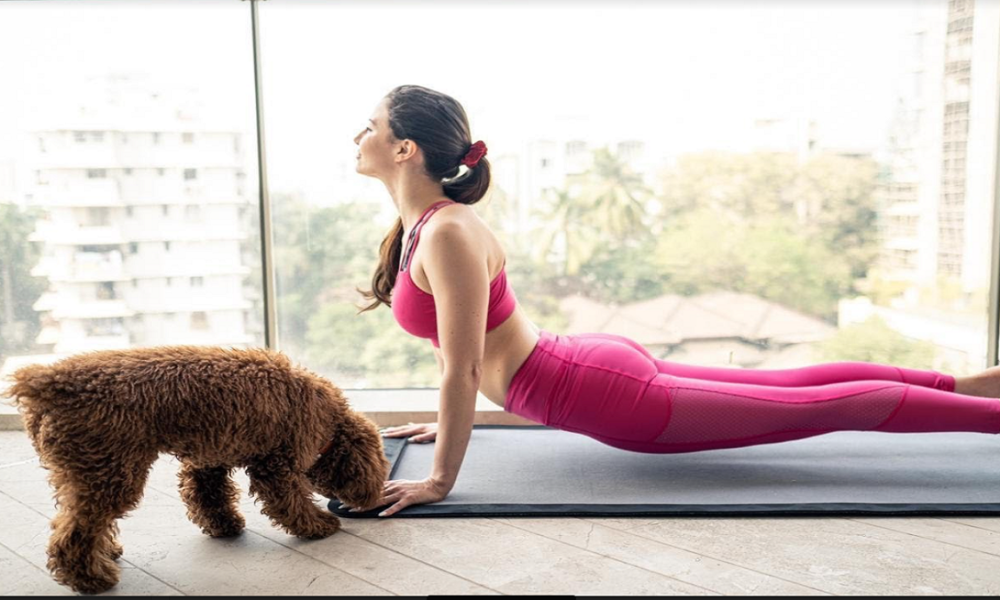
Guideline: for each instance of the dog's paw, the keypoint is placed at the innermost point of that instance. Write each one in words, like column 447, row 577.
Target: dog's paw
column 116, row 550
column 231, row 527
column 91, row 579
column 322, row 526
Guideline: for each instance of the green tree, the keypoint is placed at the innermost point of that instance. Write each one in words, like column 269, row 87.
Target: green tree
column 742, row 185
column 19, row 290
column 601, row 211
column 614, row 197
column 566, row 232
column 836, row 196
column 831, row 196
column 624, row 271
column 369, row 349
column 320, row 256
column 768, row 225
column 702, row 252
column 874, row 341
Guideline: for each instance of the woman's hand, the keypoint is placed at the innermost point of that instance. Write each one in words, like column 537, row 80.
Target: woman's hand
column 423, row 432
column 405, row 493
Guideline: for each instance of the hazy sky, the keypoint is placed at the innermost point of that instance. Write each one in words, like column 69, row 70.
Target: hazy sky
column 681, row 75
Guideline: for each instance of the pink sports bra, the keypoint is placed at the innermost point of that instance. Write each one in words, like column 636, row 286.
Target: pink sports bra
column 414, row 308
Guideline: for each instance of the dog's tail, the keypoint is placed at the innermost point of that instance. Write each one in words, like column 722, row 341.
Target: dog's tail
column 31, row 393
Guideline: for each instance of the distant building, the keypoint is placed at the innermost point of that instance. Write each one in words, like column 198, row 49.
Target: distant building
column 908, row 191
column 141, row 244
column 936, row 195
column 718, row 328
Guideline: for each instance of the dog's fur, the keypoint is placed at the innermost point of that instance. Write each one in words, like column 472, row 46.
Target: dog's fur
column 98, row 421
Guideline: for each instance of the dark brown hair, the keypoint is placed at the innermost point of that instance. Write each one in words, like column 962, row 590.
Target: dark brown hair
column 439, row 126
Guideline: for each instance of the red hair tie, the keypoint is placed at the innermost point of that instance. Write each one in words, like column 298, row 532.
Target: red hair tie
column 476, row 152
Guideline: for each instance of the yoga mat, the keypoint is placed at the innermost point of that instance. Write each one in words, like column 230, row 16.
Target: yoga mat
column 537, row 471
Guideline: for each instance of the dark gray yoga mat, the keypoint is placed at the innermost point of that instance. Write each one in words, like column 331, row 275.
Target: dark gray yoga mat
column 534, row 471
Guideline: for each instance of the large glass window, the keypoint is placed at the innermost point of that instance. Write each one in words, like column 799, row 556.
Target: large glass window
column 127, row 173
column 765, row 185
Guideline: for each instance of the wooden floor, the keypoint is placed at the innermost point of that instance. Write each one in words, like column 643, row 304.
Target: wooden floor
column 166, row 554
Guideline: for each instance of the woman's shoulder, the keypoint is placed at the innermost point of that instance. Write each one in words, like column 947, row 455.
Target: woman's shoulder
column 483, row 239
column 456, row 213
column 466, row 217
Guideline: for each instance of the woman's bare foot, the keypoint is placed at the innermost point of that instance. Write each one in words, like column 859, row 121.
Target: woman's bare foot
column 985, row 384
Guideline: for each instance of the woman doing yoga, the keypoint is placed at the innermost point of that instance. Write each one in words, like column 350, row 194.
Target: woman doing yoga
column 442, row 272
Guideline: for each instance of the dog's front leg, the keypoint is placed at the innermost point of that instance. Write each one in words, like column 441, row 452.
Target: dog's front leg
column 212, row 498
column 113, row 546
column 287, row 497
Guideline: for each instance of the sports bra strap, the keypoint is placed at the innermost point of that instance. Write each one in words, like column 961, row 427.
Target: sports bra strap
column 408, row 253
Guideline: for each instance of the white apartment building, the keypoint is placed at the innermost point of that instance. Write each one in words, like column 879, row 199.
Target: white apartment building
column 909, row 196
column 938, row 196
column 981, row 141
column 145, row 204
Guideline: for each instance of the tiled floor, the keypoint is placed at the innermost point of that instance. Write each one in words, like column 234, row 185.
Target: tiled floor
column 166, row 554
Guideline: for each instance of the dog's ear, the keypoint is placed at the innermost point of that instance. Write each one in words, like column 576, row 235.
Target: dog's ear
column 354, row 468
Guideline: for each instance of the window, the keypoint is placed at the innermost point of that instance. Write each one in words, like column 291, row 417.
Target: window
column 638, row 181
column 612, row 179
column 97, row 217
column 199, row 321
column 106, row 290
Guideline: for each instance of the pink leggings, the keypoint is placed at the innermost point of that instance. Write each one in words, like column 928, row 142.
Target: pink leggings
column 613, row 390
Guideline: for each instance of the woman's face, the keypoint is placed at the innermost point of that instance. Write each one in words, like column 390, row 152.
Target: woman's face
column 375, row 143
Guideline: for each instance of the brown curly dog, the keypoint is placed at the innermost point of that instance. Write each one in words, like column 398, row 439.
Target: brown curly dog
column 99, row 420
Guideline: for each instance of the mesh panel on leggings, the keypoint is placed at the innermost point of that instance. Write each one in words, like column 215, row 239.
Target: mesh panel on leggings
column 707, row 415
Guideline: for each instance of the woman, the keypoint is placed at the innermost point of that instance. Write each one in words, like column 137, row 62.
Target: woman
column 442, row 272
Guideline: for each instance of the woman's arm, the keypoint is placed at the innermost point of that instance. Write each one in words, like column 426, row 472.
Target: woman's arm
column 456, row 266
column 456, row 414
column 457, row 269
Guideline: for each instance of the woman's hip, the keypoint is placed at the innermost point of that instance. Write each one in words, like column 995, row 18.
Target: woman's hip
column 590, row 382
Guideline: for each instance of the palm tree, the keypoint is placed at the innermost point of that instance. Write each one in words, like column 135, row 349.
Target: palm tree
column 615, row 196
column 604, row 205
column 566, row 231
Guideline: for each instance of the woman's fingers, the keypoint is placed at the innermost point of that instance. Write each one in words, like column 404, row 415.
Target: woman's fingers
column 398, row 430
